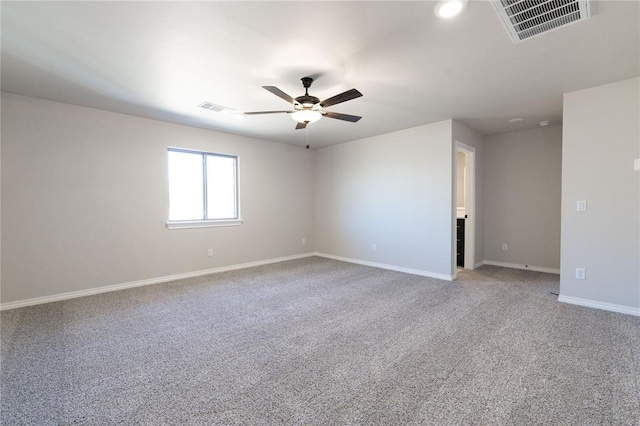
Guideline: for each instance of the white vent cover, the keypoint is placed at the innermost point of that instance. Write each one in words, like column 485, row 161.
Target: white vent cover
column 213, row 107
column 222, row 109
column 524, row 19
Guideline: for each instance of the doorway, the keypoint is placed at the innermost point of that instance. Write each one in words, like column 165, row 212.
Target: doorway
column 464, row 211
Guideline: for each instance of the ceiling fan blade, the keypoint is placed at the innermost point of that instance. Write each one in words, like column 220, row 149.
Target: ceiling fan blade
column 342, row 97
column 301, row 125
column 265, row 112
column 338, row 116
column 279, row 93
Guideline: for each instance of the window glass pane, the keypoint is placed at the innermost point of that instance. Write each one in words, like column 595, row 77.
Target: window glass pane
column 186, row 186
column 221, row 187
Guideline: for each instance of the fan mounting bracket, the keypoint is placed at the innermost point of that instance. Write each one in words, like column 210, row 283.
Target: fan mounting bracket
column 306, row 82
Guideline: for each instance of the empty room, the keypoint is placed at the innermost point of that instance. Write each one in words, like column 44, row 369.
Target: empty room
column 320, row 212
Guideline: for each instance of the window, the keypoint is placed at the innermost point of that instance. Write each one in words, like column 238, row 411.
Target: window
column 203, row 189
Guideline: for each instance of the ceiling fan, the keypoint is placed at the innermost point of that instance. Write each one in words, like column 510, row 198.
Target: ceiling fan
column 308, row 109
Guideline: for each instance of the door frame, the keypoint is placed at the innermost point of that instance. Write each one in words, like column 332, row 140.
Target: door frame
column 469, row 204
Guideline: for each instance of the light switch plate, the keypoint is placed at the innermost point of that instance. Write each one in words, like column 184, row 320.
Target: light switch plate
column 636, row 164
column 581, row 206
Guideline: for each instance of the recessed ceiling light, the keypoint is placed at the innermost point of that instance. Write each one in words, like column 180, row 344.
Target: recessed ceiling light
column 544, row 123
column 449, row 8
column 516, row 120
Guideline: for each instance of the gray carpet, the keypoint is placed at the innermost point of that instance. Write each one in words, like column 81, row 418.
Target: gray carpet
column 316, row 341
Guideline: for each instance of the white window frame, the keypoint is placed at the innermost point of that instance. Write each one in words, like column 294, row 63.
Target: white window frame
column 207, row 223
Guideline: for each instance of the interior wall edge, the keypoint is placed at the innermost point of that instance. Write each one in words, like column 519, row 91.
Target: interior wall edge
column 387, row 266
column 628, row 310
column 525, row 267
column 140, row 283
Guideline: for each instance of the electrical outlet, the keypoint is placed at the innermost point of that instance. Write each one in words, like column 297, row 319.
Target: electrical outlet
column 374, row 247
column 581, row 274
column 505, row 247
column 210, row 252
column 304, row 241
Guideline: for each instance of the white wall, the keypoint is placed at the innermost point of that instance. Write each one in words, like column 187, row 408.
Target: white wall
column 393, row 190
column 85, row 201
column 601, row 138
column 523, row 173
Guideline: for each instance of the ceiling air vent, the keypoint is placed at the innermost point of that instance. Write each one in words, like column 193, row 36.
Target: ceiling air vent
column 213, row 107
column 524, row 19
column 222, row 109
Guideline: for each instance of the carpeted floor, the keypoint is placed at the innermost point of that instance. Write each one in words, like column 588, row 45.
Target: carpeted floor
column 316, row 341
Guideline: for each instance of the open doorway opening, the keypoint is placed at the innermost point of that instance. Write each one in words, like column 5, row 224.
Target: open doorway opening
column 465, row 217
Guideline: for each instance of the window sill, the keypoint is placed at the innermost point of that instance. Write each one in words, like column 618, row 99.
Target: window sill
column 187, row 224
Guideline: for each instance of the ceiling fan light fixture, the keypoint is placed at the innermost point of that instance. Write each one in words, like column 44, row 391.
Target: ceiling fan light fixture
column 306, row 116
column 449, row 8
column 309, row 109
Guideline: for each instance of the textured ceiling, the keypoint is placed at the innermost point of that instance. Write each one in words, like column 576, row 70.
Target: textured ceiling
column 162, row 59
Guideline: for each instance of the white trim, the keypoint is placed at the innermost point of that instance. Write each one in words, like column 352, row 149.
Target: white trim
column 389, row 267
column 600, row 305
column 469, row 203
column 521, row 266
column 158, row 280
column 188, row 224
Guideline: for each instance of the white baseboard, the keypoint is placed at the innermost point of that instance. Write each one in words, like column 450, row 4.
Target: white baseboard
column 520, row 266
column 600, row 305
column 158, row 280
column 386, row 266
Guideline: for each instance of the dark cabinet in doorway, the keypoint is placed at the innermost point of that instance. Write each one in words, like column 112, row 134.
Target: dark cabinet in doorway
column 460, row 245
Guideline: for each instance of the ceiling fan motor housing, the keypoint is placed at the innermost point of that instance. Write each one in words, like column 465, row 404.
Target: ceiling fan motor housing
column 306, row 101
